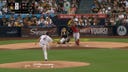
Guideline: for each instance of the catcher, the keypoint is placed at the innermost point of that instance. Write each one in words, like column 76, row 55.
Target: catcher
column 64, row 36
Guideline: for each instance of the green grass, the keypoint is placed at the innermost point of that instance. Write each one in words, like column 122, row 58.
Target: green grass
column 16, row 41
column 109, row 39
column 82, row 39
column 102, row 60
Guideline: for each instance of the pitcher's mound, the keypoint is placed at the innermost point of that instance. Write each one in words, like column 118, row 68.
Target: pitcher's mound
column 40, row 64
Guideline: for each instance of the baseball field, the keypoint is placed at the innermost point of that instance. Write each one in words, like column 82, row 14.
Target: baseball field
column 102, row 55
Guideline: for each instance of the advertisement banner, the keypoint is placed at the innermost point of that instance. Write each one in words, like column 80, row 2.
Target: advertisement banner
column 96, row 31
column 36, row 32
column 10, row 32
column 67, row 16
column 122, row 30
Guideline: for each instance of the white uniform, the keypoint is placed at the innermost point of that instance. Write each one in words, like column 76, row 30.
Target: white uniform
column 62, row 40
column 44, row 43
column 76, row 35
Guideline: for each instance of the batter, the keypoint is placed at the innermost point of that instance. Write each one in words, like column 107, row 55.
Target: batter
column 76, row 33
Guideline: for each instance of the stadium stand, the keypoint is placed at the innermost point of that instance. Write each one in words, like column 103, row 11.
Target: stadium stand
column 110, row 6
column 44, row 13
column 85, row 7
column 41, row 15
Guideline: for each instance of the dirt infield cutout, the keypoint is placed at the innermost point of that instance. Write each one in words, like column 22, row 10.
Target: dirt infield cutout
column 43, row 65
column 70, row 45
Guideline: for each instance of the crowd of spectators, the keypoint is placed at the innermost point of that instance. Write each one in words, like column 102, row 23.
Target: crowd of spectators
column 117, row 11
column 42, row 6
column 113, row 19
column 116, row 19
column 110, row 6
column 110, row 20
column 3, row 7
column 26, row 21
column 56, row 6
column 67, row 6
column 46, row 8
column 86, row 21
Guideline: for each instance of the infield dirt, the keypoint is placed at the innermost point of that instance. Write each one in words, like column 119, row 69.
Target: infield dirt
column 42, row 65
column 83, row 45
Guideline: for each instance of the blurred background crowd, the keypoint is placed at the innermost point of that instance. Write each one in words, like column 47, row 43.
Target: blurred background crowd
column 116, row 11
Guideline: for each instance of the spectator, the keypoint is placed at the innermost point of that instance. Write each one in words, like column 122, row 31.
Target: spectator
column 4, row 20
column 48, row 22
column 26, row 21
column 40, row 22
column 17, row 23
column 60, row 9
column 109, row 6
column 75, row 18
column 90, row 21
column 95, row 20
column 120, row 16
column 126, row 3
column 96, row 7
column 85, row 21
column 33, row 21
column 66, row 6
column 11, row 20
column 125, row 20
column 80, row 22
column 73, row 9
column 112, row 21
column 5, row 9
column 1, row 12
column 4, row 2
column 40, row 8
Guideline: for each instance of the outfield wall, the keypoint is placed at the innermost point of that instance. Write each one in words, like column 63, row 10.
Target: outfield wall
column 84, row 31
column 10, row 32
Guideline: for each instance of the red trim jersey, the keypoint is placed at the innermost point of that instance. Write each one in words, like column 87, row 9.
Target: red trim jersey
column 74, row 29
